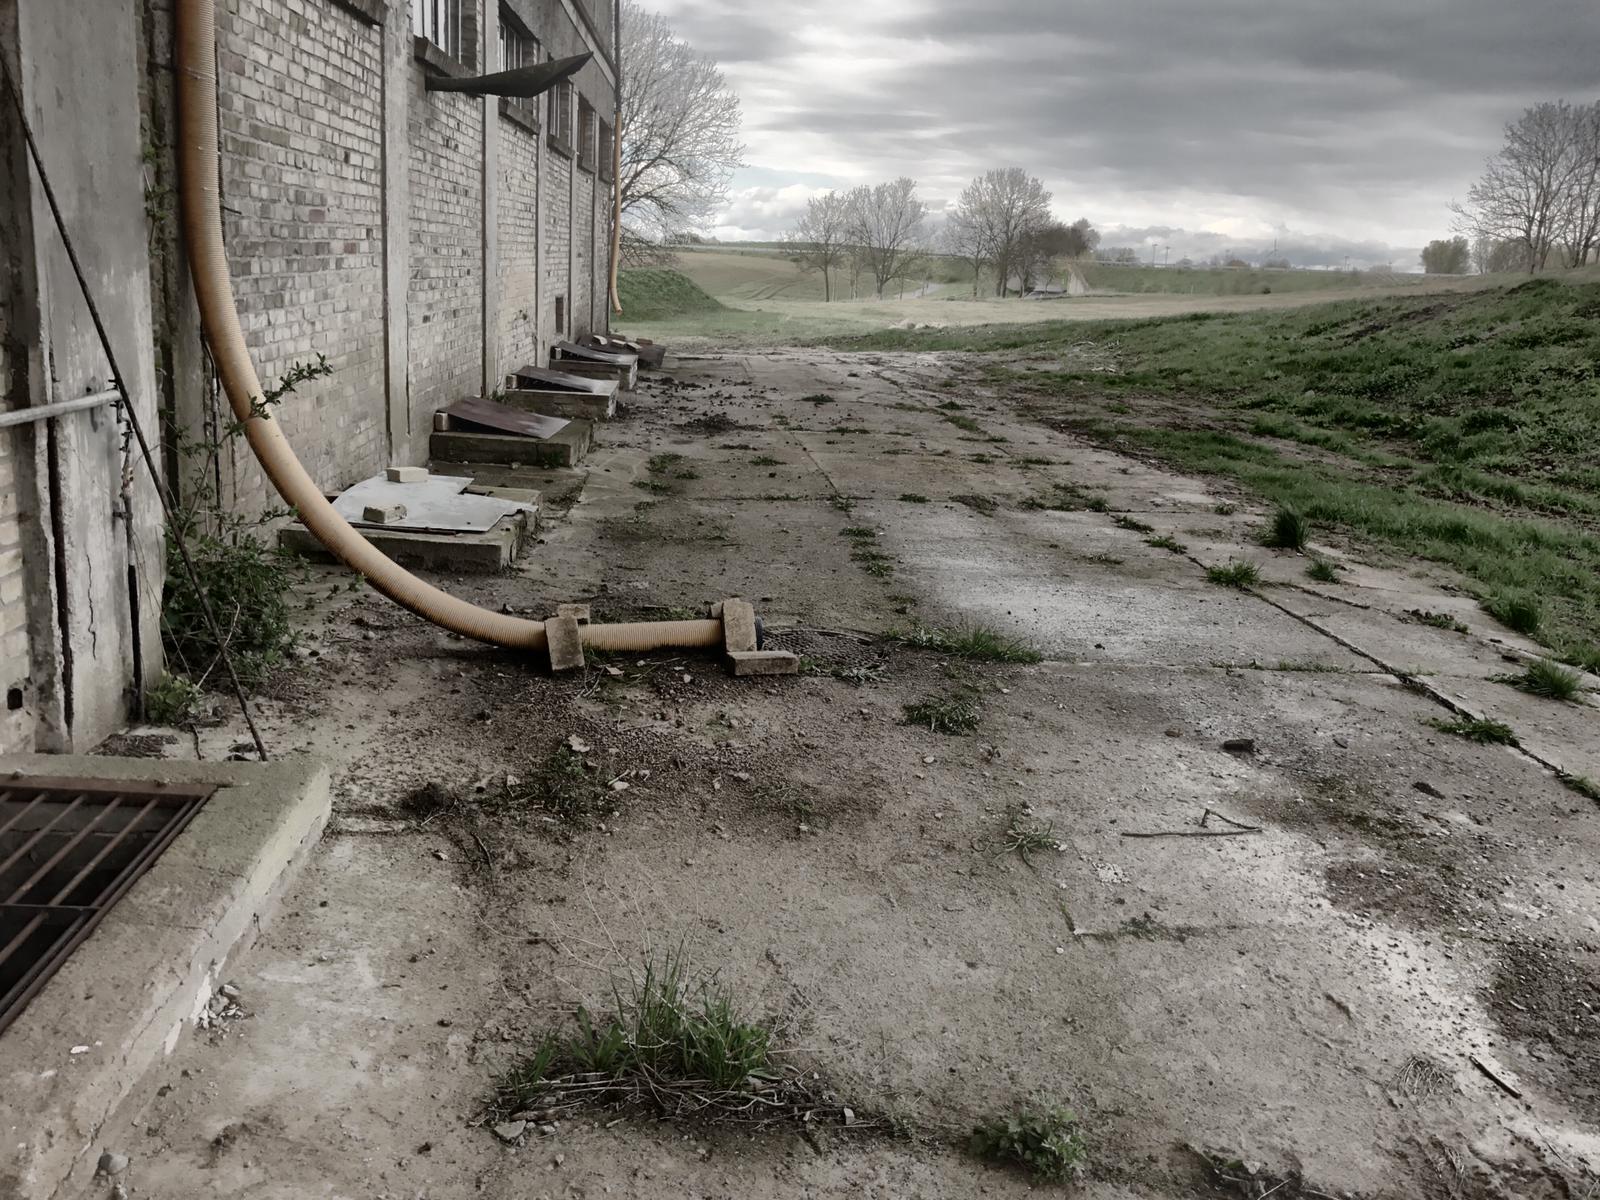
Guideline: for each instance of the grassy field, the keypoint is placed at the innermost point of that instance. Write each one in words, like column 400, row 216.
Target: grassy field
column 1224, row 281
column 655, row 294
column 1462, row 427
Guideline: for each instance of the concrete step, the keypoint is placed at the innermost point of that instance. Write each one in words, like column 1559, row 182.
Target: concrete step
column 563, row 449
column 576, row 405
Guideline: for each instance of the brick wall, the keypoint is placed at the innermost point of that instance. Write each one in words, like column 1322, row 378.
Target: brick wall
column 519, row 246
column 301, row 124
column 444, row 303
column 557, row 201
column 583, row 260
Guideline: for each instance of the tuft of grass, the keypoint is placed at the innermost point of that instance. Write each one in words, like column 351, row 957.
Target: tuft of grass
column 986, row 505
column 766, row 460
column 913, row 498
column 1516, row 611
column 1046, row 1143
column 817, row 398
column 1167, row 542
column 1548, row 679
column 1066, row 497
column 655, row 487
column 1437, row 620
column 859, row 533
column 944, row 714
column 1024, row 835
column 1289, row 530
column 1235, row 574
column 1583, row 785
column 843, row 503
column 1322, row 571
column 1225, row 509
column 675, row 1041
column 563, row 786
column 1122, row 520
column 978, row 643
column 963, row 422
column 664, row 461
column 1478, row 729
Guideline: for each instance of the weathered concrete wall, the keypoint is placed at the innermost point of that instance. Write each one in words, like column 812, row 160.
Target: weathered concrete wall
column 302, row 130
column 82, row 507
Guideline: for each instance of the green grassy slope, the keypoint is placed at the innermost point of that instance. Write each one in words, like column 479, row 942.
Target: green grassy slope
column 657, row 294
column 1463, row 428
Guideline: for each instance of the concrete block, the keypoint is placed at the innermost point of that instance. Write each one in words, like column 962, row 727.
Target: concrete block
column 382, row 514
column 764, row 662
column 714, row 612
column 565, row 449
column 578, row 612
column 579, row 405
column 152, row 963
column 406, row 474
column 566, row 644
column 738, row 626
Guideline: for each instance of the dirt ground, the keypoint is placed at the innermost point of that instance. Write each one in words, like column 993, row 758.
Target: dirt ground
column 1330, row 1000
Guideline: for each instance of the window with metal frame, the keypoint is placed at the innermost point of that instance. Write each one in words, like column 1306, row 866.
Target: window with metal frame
column 561, row 114
column 586, row 134
column 604, row 151
column 440, row 22
column 518, row 47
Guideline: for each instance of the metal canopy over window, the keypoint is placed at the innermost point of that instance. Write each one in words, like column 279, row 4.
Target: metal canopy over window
column 69, row 850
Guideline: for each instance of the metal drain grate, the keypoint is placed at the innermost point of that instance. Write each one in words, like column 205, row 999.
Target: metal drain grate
column 69, row 850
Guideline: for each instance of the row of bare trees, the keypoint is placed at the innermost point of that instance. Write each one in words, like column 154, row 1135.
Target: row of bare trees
column 1003, row 224
column 880, row 231
column 1540, row 193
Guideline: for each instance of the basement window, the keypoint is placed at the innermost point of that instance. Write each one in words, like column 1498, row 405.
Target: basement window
column 439, row 21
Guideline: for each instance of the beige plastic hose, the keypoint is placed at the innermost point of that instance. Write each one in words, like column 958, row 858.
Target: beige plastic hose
column 219, row 317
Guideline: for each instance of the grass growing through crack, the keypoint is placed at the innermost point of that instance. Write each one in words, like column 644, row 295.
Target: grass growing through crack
column 1437, row 620
column 659, row 463
column 963, row 422
column 1288, row 531
column 978, row 643
column 1167, row 542
column 1478, row 729
column 1046, row 1143
column 675, row 1042
column 1235, row 574
column 766, row 460
column 1066, row 497
column 1123, row 521
column 913, row 498
column 1583, row 785
column 1322, row 571
column 1516, row 611
column 944, row 714
column 1548, row 679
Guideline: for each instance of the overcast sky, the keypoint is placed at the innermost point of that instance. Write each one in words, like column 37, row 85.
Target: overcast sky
column 1338, row 126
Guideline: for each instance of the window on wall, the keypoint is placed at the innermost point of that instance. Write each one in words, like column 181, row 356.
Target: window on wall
column 561, row 115
column 518, row 47
column 440, row 22
column 604, row 150
column 561, row 314
column 586, row 134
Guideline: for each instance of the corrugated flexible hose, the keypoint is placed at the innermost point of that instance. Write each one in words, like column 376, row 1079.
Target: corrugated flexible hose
column 208, row 267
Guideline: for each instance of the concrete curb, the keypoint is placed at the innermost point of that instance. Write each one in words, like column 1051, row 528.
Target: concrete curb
column 154, row 961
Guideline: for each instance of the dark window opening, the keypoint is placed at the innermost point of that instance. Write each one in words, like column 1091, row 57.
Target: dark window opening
column 13, row 698
column 561, row 314
column 586, row 134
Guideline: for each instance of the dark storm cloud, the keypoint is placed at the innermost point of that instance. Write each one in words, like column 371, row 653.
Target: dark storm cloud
column 1361, row 116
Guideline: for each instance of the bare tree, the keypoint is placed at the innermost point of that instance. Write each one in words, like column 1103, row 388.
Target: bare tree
column 1526, row 186
column 679, row 130
column 964, row 237
column 887, row 224
column 1578, row 213
column 1009, row 206
column 822, row 237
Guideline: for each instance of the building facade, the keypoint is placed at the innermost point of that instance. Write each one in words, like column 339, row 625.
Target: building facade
column 423, row 242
